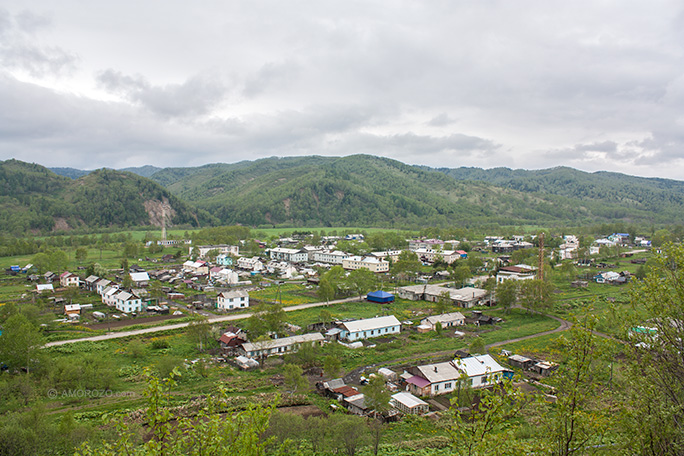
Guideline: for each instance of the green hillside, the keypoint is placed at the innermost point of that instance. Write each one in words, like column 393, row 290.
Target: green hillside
column 609, row 196
column 33, row 198
column 360, row 190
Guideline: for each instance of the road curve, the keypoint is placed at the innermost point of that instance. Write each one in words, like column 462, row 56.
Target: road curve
column 214, row 319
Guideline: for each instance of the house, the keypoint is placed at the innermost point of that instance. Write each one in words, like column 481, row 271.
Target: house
column 140, row 279
column 517, row 272
column 279, row 346
column 224, row 260
column 67, row 279
column 356, row 404
column 231, row 341
column 607, row 277
column 108, row 295
column 229, row 300
column 101, row 285
column 90, row 282
column 289, row 255
column 127, row 302
column 72, row 310
column 441, row 378
column 224, row 275
column 250, row 264
column 380, row 296
column 408, row 404
column 50, row 276
column 196, row 267
column 371, row 263
column 368, row 328
column 446, row 320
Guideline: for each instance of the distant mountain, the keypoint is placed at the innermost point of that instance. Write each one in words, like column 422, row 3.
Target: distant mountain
column 71, row 173
column 366, row 190
column 33, row 198
column 144, row 171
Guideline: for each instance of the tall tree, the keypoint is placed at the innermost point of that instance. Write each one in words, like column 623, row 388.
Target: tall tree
column 407, row 266
column 654, row 385
column 21, row 341
column 362, row 281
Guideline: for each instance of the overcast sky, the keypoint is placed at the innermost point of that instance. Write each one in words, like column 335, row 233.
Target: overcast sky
column 595, row 85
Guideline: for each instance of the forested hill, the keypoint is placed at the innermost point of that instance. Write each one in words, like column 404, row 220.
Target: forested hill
column 33, row 198
column 367, row 190
column 605, row 194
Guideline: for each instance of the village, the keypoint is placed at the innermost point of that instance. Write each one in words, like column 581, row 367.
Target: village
column 445, row 292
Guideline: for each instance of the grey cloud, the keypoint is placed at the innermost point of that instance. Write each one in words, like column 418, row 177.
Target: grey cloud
column 196, row 96
column 20, row 51
column 583, row 151
column 441, row 120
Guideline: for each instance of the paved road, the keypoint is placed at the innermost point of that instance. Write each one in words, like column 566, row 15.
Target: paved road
column 213, row 319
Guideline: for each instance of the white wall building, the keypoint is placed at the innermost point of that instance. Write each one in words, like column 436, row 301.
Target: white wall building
column 369, row 328
column 371, row 263
column 230, row 300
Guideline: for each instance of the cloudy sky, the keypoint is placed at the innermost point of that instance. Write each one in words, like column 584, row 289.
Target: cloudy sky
column 595, row 85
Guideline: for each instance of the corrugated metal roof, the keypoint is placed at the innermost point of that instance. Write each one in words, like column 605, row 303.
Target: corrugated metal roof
column 371, row 323
column 408, row 399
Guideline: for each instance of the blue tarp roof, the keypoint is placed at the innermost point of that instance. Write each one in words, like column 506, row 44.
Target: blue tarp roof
column 380, row 294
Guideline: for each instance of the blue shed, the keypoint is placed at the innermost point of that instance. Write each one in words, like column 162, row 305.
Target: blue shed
column 380, row 296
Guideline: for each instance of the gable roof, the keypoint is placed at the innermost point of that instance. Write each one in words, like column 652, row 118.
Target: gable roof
column 380, row 294
column 478, row 365
column 371, row 323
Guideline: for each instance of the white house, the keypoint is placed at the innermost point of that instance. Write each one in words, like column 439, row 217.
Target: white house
column 101, row 285
column 225, row 275
column 196, row 267
column 108, row 295
column 127, row 302
column 431, row 255
column 370, row 327
column 67, row 279
column 229, row 300
column 250, row 264
column 442, row 378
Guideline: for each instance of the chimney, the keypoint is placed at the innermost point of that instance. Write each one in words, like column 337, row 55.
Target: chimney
column 435, row 368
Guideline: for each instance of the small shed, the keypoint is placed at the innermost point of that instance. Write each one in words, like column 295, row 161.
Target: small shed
column 520, row 361
column 388, row 374
column 380, row 296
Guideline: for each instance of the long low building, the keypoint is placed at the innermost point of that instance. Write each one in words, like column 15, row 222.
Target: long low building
column 369, row 328
column 371, row 263
column 463, row 297
column 280, row 346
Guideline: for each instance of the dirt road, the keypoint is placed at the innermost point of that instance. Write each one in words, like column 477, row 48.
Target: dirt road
column 214, row 319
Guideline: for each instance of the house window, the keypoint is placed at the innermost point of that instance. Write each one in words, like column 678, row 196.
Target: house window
column 436, row 388
column 447, row 386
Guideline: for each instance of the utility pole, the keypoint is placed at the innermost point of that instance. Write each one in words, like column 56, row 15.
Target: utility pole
column 540, row 262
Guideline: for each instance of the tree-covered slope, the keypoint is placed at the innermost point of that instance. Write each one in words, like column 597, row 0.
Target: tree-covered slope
column 33, row 198
column 354, row 190
column 606, row 195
